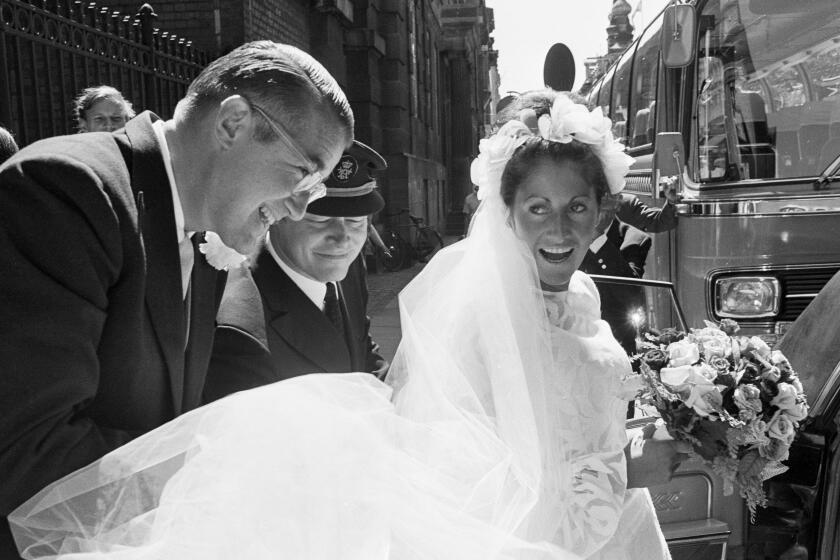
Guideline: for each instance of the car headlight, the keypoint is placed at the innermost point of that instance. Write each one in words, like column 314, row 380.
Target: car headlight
column 743, row 297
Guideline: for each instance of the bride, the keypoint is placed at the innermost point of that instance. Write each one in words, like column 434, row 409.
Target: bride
column 499, row 433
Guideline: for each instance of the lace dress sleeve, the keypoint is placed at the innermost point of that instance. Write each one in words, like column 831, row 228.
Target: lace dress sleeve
column 588, row 392
column 596, row 503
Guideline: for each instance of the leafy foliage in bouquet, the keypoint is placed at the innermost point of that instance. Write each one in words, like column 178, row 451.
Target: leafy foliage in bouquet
column 737, row 402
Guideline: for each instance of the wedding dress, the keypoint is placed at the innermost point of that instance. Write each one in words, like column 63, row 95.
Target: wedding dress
column 498, row 435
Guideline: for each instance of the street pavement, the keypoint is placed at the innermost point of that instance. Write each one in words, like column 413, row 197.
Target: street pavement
column 383, row 305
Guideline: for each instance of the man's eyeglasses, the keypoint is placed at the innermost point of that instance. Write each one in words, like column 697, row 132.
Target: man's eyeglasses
column 312, row 182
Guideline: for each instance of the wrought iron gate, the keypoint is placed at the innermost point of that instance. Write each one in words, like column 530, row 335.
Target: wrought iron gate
column 51, row 49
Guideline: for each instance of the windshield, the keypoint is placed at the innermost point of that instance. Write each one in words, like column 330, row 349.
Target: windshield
column 768, row 90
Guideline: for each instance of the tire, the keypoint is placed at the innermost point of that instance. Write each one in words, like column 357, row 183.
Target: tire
column 396, row 259
column 427, row 243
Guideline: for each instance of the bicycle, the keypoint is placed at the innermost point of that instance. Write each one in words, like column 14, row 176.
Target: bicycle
column 397, row 253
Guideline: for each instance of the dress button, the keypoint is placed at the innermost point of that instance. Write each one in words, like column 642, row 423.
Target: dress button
column 604, row 267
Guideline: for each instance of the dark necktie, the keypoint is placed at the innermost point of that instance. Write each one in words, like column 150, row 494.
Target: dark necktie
column 332, row 308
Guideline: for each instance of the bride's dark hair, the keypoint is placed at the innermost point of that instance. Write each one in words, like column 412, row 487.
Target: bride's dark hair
column 538, row 150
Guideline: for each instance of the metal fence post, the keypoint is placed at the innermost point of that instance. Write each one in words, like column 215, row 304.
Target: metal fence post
column 5, row 88
column 147, row 15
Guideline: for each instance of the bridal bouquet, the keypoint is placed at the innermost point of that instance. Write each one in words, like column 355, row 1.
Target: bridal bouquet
column 737, row 402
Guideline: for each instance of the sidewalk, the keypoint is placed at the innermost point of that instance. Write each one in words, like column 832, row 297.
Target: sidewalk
column 383, row 306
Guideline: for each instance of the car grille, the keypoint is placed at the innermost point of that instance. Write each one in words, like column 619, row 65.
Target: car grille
column 800, row 286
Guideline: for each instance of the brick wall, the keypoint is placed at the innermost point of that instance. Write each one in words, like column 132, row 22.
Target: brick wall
column 217, row 26
column 284, row 21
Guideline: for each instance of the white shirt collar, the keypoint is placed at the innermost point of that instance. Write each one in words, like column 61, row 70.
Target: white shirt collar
column 598, row 243
column 314, row 290
column 157, row 126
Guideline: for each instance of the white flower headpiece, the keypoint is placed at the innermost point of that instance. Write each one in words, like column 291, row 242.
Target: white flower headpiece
column 567, row 121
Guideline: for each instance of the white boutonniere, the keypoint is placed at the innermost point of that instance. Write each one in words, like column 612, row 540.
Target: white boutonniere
column 219, row 255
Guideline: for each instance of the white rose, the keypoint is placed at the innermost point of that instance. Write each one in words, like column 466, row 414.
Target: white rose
column 735, row 344
column 706, row 371
column 704, row 399
column 683, row 377
column 708, row 333
column 682, row 353
column 675, row 376
column 777, row 358
column 780, row 427
column 771, row 373
column 797, row 413
column 786, row 399
column 715, row 347
column 759, row 347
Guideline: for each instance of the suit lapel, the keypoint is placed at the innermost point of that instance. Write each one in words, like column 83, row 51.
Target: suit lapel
column 296, row 320
column 163, row 266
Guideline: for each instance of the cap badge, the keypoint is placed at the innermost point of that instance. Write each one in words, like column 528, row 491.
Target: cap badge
column 346, row 169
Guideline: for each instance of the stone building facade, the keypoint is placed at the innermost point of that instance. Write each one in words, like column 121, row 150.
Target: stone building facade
column 619, row 37
column 417, row 73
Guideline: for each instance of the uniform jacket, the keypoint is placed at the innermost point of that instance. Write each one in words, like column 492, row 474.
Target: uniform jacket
column 92, row 324
column 623, row 254
column 651, row 219
column 269, row 330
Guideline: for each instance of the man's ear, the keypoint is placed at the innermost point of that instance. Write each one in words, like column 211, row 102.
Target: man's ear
column 233, row 120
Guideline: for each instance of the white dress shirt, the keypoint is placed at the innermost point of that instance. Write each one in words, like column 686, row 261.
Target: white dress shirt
column 184, row 243
column 314, row 290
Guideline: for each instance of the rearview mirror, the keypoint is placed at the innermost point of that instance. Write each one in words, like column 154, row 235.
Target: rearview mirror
column 668, row 157
column 677, row 39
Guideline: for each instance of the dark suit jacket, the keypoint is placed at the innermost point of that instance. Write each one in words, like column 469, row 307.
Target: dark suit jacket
column 623, row 254
column 269, row 330
column 92, row 328
column 636, row 213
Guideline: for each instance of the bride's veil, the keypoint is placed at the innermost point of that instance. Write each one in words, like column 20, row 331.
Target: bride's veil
column 476, row 352
column 459, row 455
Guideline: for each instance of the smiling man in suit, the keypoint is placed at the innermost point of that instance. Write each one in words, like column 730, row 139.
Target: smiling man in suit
column 107, row 306
column 302, row 308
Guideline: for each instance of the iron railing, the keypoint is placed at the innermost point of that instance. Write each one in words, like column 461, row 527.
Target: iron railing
column 52, row 49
